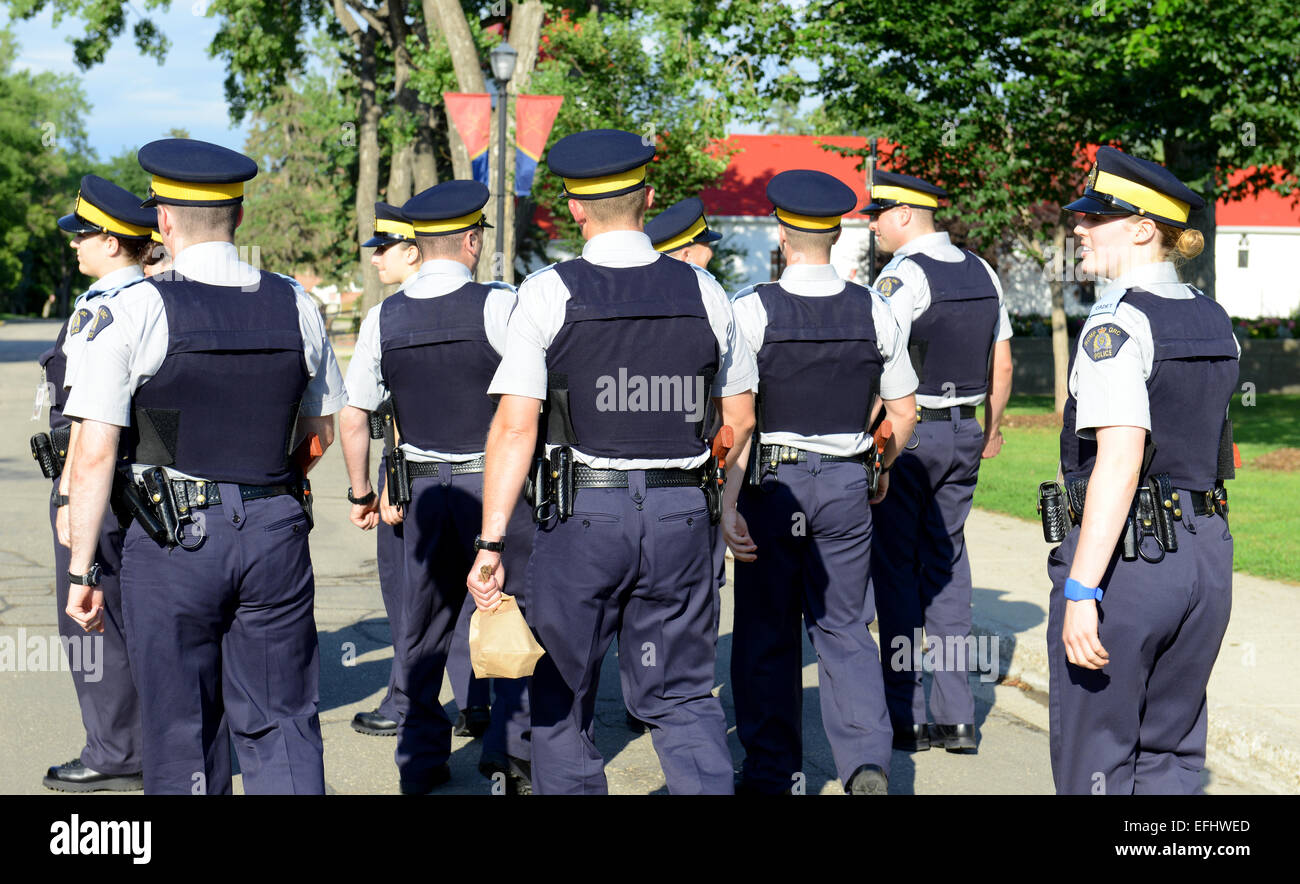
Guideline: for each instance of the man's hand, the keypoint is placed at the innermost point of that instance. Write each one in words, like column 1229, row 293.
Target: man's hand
column 736, row 532
column 882, row 488
column 1082, row 645
column 62, row 526
column 487, row 593
column 86, row 606
column 365, row 515
column 992, row 445
column 392, row 515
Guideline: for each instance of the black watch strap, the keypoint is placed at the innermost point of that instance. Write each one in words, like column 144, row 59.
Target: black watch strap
column 58, row 499
column 361, row 501
column 90, row 578
column 496, row 546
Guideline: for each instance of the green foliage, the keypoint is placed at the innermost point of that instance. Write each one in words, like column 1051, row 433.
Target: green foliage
column 104, row 22
column 299, row 209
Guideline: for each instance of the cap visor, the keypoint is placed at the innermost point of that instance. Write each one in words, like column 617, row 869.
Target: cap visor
column 73, row 224
column 708, row 236
column 1090, row 206
column 380, row 240
column 150, row 203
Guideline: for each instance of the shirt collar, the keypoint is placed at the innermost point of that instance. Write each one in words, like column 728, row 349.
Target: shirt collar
column 1143, row 276
column 441, row 267
column 211, row 262
column 809, row 273
column 924, row 242
column 619, row 245
column 118, row 278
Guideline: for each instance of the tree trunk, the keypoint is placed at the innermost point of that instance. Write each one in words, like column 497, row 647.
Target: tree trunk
column 1060, row 332
column 448, row 17
column 1200, row 271
column 368, row 168
column 1194, row 162
column 526, row 38
column 400, row 174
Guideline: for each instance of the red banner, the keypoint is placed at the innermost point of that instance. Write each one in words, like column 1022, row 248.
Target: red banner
column 471, row 114
column 534, row 117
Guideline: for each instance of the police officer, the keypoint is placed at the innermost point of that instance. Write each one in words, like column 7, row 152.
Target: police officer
column 1132, row 638
column 217, row 370
column 111, row 236
column 605, row 339
column 682, row 231
column 826, row 348
column 434, row 346
column 397, row 259
column 948, row 304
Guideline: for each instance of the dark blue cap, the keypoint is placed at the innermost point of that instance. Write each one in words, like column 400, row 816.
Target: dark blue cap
column 1120, row 184
column 103, row 207
column 391, row 226
column 449, row 207
column 679, row 225
column 810, row 201
column 889, row 189
column 600, row 163
column 194, row 173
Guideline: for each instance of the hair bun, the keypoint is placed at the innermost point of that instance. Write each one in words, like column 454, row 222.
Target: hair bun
column 1190, row 243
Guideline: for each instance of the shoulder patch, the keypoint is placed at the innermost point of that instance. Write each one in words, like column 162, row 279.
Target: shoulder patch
column 1104, row 341
column 78, row 320
column 887, row 285
column 103, row 319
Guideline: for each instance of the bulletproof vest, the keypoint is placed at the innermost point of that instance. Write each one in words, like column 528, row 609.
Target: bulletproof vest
column 951, row 343
column 632, row 366
column 224, row 403
column 55, row 364
column 1077, row 455
column 437, row 363
column 819, row 366
column 1193, row 375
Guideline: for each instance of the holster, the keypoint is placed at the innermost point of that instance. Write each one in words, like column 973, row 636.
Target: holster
column 303, row 496
column 1054, row 512
column 158, row 489
column 50, row 450
column 379, row 419
column 398, row 478
column 1167, row 511
column 561, row 481
column 129, row 502
column 873, row 466
column 714, row 476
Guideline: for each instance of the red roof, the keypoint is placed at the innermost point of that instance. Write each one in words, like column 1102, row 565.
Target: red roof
column 742, row 190
column 1268, row 208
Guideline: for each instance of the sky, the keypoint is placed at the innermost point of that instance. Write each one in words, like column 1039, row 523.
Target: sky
column 133, row 99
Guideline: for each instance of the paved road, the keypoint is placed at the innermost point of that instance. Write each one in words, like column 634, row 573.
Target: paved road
column 40, row 724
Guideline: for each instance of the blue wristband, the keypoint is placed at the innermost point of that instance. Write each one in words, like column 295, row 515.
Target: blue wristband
column 1077, row 592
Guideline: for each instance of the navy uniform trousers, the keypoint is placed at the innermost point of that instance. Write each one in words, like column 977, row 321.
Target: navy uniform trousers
column 227, row 627
column 443, row 518
column 636, row 564
column 921, row 571
column 1138, row 725
column 813, row 528
column 110, row 708
column 392, row 577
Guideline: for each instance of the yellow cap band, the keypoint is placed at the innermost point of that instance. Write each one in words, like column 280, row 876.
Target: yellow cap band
column 396, row 228
column 197, row 192
column 155, row 236
column 904, row 195
column 809, row 222
column 1140, row 195
column 606, row 183
column 100, row 218
column 448, row 225
column 683, row 239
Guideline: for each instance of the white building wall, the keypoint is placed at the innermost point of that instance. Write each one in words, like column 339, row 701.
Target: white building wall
column 1268, row 285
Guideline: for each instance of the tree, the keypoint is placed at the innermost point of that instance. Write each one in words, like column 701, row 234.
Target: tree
column 998, row 102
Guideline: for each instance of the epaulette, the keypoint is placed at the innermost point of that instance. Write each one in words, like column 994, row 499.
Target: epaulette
column 747, row 290
column 1108, row 302
column 535, row 272
column 502, row 285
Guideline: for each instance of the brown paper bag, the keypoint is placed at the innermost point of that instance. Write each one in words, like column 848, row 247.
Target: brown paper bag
column 500, row 643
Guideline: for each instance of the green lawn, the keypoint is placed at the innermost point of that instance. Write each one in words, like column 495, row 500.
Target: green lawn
column 1265, row 521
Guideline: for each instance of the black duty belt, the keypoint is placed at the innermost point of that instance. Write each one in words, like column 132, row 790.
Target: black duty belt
column 775, row 454
column 196, row 494
column 586, row 477
column 925, row 415
column 1202, row 502
column 421, row 469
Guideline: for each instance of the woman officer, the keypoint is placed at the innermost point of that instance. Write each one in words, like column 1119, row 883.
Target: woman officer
column 1132, row 639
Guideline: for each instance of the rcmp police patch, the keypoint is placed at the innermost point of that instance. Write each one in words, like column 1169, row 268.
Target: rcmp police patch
column 888, row 285
column 78, row 320
column 103, row 319
column 1104, row 341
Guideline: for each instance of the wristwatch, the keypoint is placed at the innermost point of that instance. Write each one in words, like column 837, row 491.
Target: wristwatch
column 362, row 501
column 58, row 499
column 496, row 546
column 90, row 578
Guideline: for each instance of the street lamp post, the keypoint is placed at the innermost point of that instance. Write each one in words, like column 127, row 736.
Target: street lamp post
column 503, row 68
